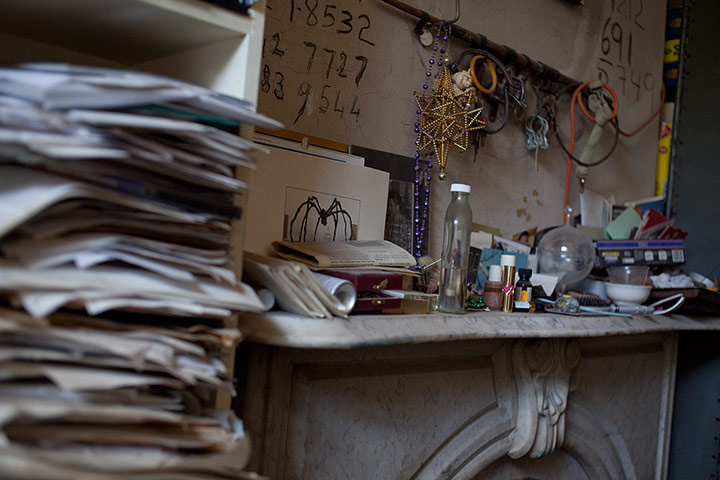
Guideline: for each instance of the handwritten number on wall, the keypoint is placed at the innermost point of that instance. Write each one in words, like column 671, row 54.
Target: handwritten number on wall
column 636, row 81
column 265, row 82
column 346, row 21
column 278, row 91
column 324, row 100
column 362, row 29
column 304, row 90
column 363, row 66
column 335, row 107
column 605, row 41
column 615, row 33
column 341, row 68
column 638, row 16
column 312, row 19
column 621, row 77
column 354, row 110
column 276, row 49
column 625, row 8
column 616, row 43
column 312, row 47
column 332, row 58
column 602, row 72
column 330, row 15
column 327, row 57
column 651, row 86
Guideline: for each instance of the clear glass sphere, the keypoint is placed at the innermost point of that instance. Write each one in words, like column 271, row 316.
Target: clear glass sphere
column 567, row 253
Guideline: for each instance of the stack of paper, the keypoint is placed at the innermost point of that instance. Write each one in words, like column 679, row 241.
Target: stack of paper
column 93, row 398
column 110, row 198
column 116, row 285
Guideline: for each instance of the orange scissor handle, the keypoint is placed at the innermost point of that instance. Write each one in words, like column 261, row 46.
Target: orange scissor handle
column 493, row 75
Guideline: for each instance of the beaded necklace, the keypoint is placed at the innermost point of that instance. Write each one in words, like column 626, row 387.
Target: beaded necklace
column 422, row 205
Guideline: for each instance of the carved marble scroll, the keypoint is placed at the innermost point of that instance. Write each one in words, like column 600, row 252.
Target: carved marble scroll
column 542, row 370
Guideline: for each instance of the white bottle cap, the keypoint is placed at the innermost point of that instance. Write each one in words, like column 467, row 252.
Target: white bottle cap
column 495, row 273
column 507, row 260
column 460, row 187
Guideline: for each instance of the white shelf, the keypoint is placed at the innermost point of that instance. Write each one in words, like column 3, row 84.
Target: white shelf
column 187, row 39
column 125, row 31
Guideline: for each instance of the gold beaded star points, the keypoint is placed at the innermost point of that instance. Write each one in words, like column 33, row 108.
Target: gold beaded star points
column 446, row 119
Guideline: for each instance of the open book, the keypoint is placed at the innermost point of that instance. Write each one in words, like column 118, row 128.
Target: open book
column 349, row 254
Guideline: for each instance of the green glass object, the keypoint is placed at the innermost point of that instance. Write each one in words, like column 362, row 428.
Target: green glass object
column 475, row 301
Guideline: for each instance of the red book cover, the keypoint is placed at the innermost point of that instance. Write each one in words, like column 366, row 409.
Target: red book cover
column 369, row 280
column 367, row 302
column 653, row 222
column 672, row 233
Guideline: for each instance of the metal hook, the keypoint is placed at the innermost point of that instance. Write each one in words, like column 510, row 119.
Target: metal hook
column 517, row 91
column 457, row 14
column 420, row 26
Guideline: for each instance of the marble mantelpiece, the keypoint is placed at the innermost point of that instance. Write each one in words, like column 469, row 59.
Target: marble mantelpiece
column 475, row 396
column 289, row 330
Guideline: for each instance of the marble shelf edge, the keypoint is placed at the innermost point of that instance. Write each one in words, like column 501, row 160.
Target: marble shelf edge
column 289, row 330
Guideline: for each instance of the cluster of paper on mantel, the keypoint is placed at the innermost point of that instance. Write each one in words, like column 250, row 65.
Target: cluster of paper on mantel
column 298, row 289
column 117, row 290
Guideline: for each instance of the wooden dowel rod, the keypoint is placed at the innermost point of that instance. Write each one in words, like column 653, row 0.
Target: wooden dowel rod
column 503, row 52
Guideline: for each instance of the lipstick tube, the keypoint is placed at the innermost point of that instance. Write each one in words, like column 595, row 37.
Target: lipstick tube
column 507, row 264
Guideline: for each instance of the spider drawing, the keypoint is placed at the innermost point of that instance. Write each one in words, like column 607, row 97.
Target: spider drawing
column 334, row 212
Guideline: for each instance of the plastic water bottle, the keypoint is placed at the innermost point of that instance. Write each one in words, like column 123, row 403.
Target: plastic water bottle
column 455, row 251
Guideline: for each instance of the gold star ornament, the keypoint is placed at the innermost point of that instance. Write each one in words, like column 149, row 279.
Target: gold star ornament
column 446, row 119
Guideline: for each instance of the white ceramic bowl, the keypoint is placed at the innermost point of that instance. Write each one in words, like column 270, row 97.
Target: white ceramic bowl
column 622, row 293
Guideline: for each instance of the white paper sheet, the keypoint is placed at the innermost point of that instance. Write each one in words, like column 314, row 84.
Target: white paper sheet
column 24, row 193
column 87, row 250
column 118, row 282
column 61, row 86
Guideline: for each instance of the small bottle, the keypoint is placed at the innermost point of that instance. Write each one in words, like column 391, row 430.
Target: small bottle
column 455, row 251
column 523, row 289
column 507, row 263
column 492, row 293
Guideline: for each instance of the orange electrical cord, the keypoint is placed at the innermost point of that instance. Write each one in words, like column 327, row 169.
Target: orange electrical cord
column 647, row 122
column 575, row 96
column 637, row 130
column 612, row 121
column 493, row 75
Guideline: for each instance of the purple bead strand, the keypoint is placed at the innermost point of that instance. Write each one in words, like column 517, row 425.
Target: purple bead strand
column 420, row 213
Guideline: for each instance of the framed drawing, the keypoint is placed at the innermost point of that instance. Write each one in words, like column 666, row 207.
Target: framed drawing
column 312, row 216
column 294, row 196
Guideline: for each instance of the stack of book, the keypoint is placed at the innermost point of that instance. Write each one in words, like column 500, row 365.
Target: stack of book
column 117, row 195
